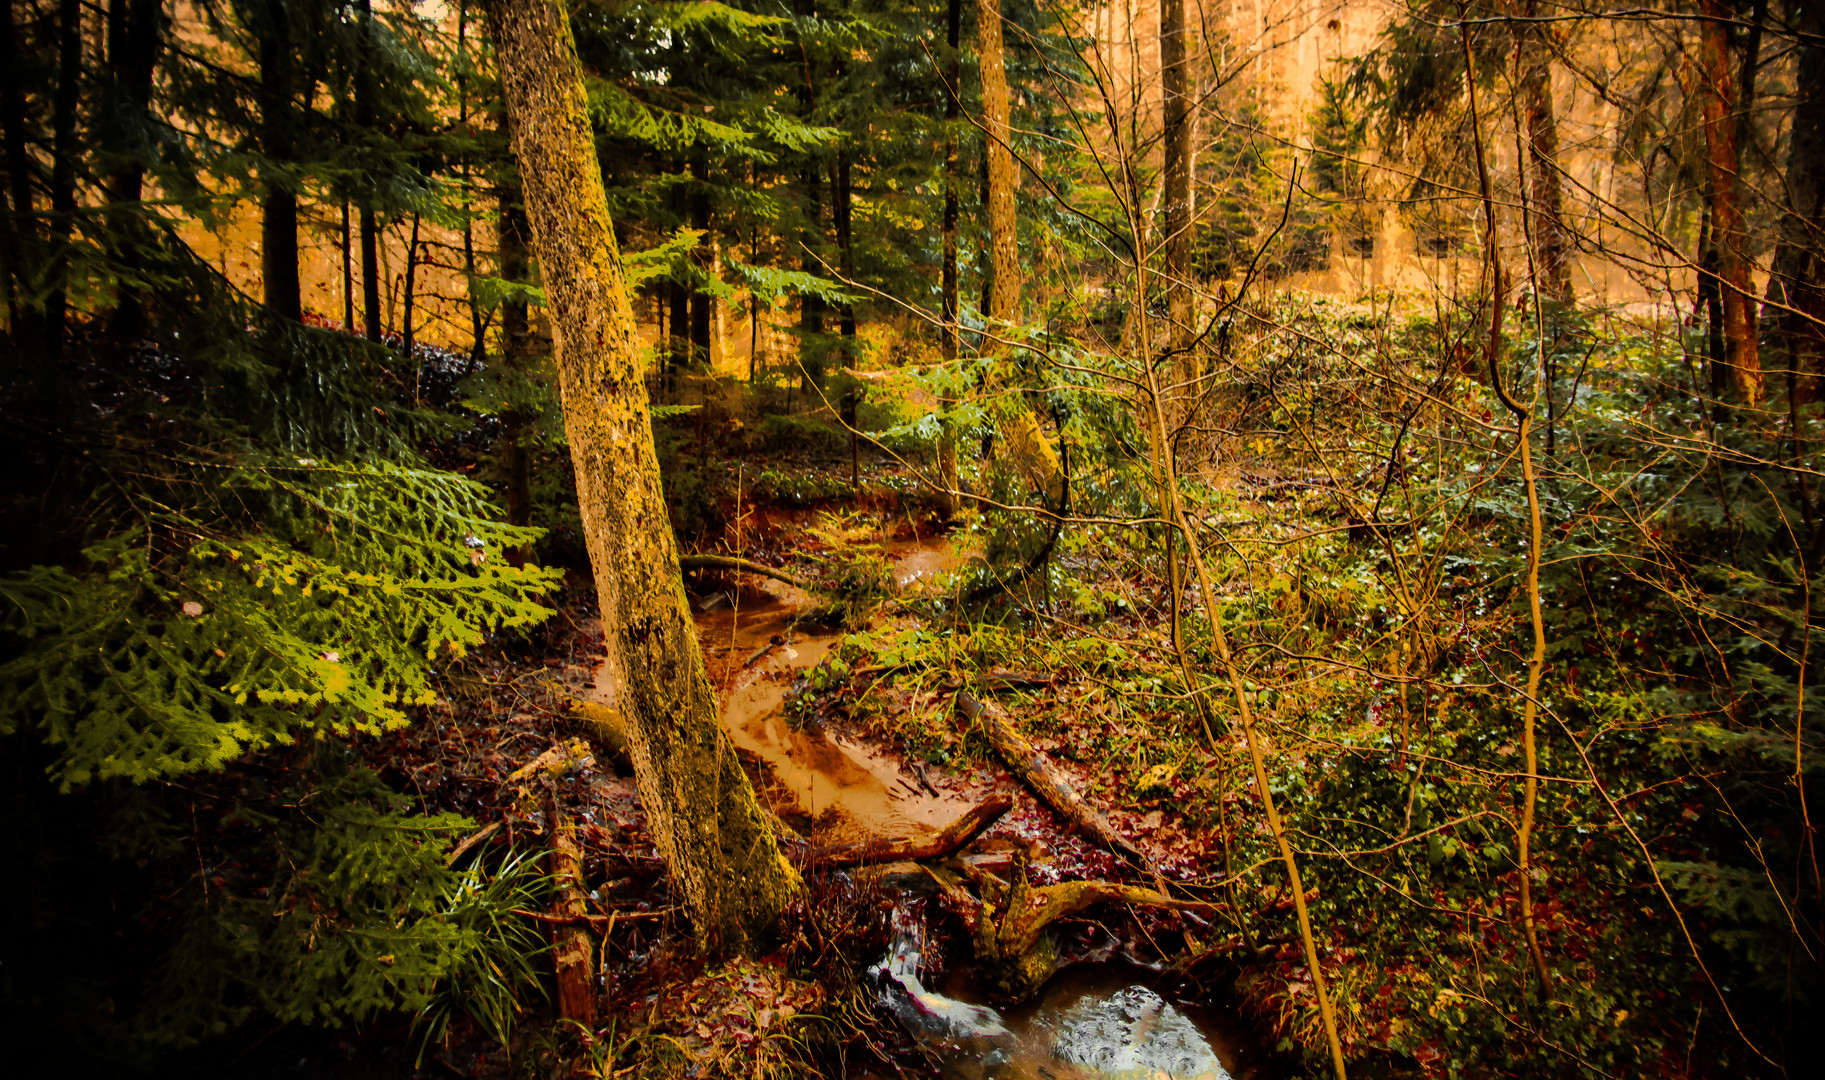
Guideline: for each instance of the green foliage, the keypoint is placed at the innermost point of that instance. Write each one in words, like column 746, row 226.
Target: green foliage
column 325, row 618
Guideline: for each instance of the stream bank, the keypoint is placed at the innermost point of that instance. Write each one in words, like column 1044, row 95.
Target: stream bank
column 1101, row 1017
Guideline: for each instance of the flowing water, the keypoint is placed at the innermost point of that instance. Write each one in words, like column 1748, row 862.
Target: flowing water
column 1105, row 1021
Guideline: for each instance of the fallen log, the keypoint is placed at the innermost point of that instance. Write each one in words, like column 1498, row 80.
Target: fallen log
column 903, row 849
column 743, row 566
column 573, row 951
column 1009, row 919
column 1045, row 779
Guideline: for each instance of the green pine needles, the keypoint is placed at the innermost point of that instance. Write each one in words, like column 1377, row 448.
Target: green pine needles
column 183, row 645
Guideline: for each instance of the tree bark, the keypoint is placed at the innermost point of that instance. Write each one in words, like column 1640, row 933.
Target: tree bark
column 1799, row 262
column 703, row 305
column 953, row 111
column 1550, row 238
column 572, row 952
column 370, row 226
column 516, row 468
column 1026, row 447
column 63, row 173
column 714, row 835
column 20, row 225
column 1176, row 214
column 1722, row 156
column 1004, row 246
column 133, row 43
column 279, row 206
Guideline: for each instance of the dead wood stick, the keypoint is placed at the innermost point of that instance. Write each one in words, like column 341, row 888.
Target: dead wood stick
column 573, row 952
column 469, row 845
column 743, row 566
column 1045, row 779
column 899, row 848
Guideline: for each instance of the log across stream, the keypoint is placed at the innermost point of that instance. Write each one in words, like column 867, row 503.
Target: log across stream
column 1091, row 1021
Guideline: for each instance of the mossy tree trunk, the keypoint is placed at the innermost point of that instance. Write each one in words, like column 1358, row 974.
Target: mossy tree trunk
column 1027, row 449
column 715, row 838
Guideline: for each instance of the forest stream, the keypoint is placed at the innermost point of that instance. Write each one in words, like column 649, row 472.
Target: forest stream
column 1100, row 1020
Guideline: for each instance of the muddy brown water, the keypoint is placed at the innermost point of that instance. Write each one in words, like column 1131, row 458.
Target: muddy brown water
column 850, row 791
column 1102, row 1021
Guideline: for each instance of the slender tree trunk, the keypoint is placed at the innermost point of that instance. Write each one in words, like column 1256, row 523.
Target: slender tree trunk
column 811, row 307
column 279, row 206
column 953, row 111
column 63, row 173
column 1722, row 154
column 409, row 342
column 370, row 226
column 516, row 467
column 703, row 305
column 345, row 245
column 133, row 43
column 842, row 207
column 1004, row 245
column 1550, row 238
column 714, row 835
column 21, row 224
column 1026, row 446
column 1177, row 128
column 1797, row 281
column 478, row 326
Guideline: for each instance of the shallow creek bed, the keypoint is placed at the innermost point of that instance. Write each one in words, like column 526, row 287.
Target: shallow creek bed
column 1111, row 1010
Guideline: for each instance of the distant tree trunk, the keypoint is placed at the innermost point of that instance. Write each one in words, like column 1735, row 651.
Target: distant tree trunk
column 810, row 306
column 279, row 206
column 516, row 468
column 953, row 111
column 20, row 226
column 703, row 815
column 703, row 305
column 408, row 341
column 345, row 246
column 1177, row 129
column 1797, row 280
column 1721, row 151
column 370, row 226
column 1551, row 240
column 842, row 208
column 63, row 172
column 133, row 44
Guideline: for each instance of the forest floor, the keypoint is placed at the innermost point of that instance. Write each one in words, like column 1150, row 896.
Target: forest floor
column 848, row 734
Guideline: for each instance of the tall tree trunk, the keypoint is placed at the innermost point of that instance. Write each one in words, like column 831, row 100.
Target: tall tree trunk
column 1797, row 280
column 516, row 467
column 842, row 207
column 345, row 247
column 20, row 225
column 133, row 43
column 63, row 173
column 1551, row 240
column 1719, row 104
column 279, row 205
column 1026, row 446
column 703, row 814
column 953, row 111
column 1176, row 214
column 810, row 306
column 1004, row 245
column 703, row 305
column 370, row 226
column 408, row 344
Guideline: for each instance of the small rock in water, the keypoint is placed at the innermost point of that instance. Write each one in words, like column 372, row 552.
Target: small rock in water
column 1134, row 1034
